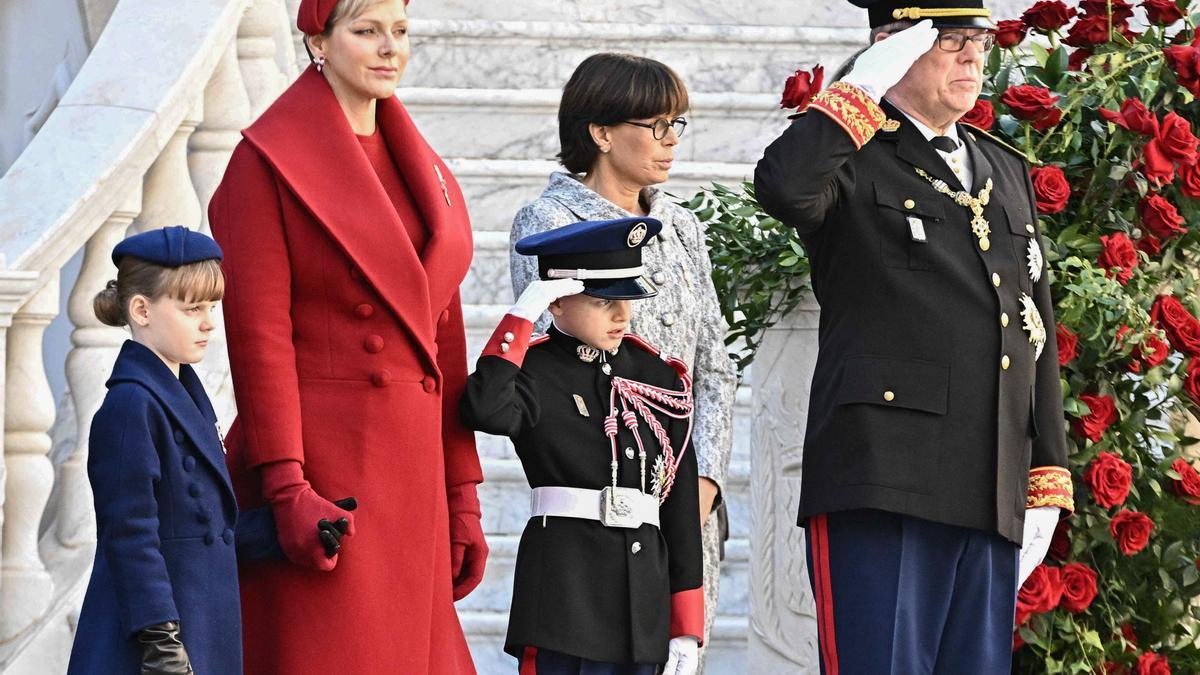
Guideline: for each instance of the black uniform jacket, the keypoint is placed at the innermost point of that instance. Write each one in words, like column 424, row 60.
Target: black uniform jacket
column 602, row 593
column 927, row 399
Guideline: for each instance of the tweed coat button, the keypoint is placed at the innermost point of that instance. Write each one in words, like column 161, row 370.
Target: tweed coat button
column 204, row 515
column 636, row 548
column 380, row 378
column 364, row 311
column 227, row 536
column 210, row 539
column 428, row 384
column 1004, row 362
column 373, row 344
column 668, row 319
column 1004, row 319
column 445, row 316
column 889, row 396
column 908, row 203
column 189, row 463
column 178, row 435
column 194, row 489
column 629, row 453
column 995, row 280
column 659, row 278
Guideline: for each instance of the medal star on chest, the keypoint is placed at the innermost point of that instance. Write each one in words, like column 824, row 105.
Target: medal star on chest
column 1031, row 321
column 1033, row 255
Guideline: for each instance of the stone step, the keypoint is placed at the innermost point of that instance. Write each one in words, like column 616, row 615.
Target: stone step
column 523, row 124
column 477, row 54
column 760, row 12
column 496, row 189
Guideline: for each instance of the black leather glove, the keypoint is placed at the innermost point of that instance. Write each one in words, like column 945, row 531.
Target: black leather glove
column 162, row 651
column 331, row 533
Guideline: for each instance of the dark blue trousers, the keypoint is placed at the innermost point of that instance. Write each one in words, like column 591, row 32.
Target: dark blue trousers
column 547, row 662
column 906, row 596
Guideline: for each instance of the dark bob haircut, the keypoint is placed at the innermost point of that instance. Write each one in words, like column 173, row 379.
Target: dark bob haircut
column 608, row 89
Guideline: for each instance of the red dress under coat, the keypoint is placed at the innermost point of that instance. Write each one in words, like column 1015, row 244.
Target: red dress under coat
column 348, row 353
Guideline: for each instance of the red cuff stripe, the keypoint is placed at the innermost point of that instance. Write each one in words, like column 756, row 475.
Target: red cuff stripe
column 513, row 349
column 687, row 614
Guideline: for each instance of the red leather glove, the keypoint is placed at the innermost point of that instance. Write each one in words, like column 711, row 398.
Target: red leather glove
column 468, row 549
column 298, row 509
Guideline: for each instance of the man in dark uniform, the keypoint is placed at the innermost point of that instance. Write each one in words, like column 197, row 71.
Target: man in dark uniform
column 608, row 575
column 935, row 443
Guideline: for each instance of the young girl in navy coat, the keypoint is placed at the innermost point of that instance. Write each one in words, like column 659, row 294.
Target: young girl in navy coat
column 163, row 597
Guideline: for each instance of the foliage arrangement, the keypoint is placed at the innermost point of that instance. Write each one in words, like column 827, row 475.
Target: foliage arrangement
column 1107, row 117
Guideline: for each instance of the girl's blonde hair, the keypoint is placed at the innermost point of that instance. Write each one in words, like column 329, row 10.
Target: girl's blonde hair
column 195, row 282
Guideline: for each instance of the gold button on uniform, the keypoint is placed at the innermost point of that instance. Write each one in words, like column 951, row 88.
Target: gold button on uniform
column 908, row 203
column 888, row 396
column 1004, row 362
column 1004, row 319
column 995, row 280
column 1029, row 228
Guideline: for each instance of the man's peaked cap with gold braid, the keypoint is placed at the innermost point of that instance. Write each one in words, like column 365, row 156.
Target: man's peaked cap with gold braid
column 943, row 13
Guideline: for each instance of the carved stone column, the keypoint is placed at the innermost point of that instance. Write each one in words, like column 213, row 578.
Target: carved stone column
column 170, row 198
column 783, row 629
column 256, row 51
column 25, row 586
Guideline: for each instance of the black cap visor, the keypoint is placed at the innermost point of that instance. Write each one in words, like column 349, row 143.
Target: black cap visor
column 633, row 288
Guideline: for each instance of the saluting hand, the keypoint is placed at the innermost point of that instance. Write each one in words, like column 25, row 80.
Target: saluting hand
column 884, row 63
column 539, row 294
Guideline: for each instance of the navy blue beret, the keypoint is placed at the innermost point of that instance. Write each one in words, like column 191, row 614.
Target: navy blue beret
column 169, row 247
column 606, row 255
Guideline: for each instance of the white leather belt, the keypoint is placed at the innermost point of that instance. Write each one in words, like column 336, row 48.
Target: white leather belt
column 629, row 508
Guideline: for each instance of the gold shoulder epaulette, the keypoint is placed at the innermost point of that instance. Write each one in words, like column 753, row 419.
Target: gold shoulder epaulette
column 977, row 132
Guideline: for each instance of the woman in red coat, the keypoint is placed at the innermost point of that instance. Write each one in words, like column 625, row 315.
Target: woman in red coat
column 345, row 241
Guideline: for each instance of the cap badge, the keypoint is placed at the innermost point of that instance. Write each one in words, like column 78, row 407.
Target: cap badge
column 637, row 233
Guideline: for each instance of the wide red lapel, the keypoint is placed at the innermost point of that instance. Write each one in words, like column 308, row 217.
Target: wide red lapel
column 305, row 136
column 437, row 195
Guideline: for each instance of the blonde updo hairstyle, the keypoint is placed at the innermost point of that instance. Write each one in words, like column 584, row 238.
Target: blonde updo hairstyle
column 195, row 282
column 343, row 10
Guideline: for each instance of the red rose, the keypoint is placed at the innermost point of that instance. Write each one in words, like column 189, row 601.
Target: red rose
column 801, row 87
column 1157, row 167
column 1151, row 352
column 1029, row 102
column 1118, row 257
column 1191, row 382
column 1068, row 344
column 1150, row 663
column 1047, row 15
column 1079, row 587
column 1010, row 33
column 1111, row 668
column 1133, row 116
column 1131, row 530
column 1050, row 119
column 1040, row 593
column 1109, row 478
column 1103, row 414
column 1150, row 244
column 1184, row 60
column 1183, row 329
column 1160, row 216
column 1164, row 12
column 1060, row 543
column 1187, row 485
column 1088, row 31
column 1189, row 180
column 1121, row 9
column 1050, row 189
column 1176, row 140
column 983, row 115
column 1077, row 58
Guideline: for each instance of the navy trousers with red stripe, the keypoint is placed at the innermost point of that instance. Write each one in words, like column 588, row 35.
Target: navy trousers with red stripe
column 901, row 595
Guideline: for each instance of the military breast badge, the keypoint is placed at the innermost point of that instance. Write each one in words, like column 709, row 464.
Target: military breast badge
column 1034, row 255
column 1031, row 321
column 890, row 125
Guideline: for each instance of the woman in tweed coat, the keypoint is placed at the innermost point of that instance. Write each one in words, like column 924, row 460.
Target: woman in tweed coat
column 619, row 121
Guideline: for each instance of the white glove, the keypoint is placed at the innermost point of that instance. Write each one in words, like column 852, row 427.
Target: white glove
column 539, row 294
column 884, row 63
column 684, row 658
column 1039, row 530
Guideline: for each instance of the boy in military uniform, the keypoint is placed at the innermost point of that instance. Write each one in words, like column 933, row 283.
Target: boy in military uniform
column 608, row 574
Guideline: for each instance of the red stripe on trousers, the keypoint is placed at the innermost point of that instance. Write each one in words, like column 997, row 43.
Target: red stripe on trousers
column 529, row 661
column 824, row 594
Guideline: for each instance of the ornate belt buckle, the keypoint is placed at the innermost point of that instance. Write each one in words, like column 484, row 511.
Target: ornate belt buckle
column 616, row 507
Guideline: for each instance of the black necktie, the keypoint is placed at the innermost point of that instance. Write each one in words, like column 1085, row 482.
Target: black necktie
column 944, row 143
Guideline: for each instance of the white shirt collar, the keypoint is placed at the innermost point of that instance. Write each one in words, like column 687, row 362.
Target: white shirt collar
column 957, row 160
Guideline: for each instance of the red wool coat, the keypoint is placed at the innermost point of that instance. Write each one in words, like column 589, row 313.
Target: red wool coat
column 348, row 353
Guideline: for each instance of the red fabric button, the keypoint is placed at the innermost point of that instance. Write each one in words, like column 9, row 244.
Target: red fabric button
column 373, row 344
column 429, row 384
column 364, row 311
column 380, row 378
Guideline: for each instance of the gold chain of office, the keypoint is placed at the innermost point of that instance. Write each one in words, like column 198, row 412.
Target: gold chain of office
column 979, row 225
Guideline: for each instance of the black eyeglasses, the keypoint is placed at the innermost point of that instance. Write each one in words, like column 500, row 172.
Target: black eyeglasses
column 954, row 42
column 661, row 126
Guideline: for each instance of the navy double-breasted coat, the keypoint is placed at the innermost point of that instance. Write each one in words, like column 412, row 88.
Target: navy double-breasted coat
column 167, row 527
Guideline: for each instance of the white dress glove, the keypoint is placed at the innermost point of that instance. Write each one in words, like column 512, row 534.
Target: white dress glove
column 539, row 294
column 885, row 62
column 1039, row 530
column 685, row 656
